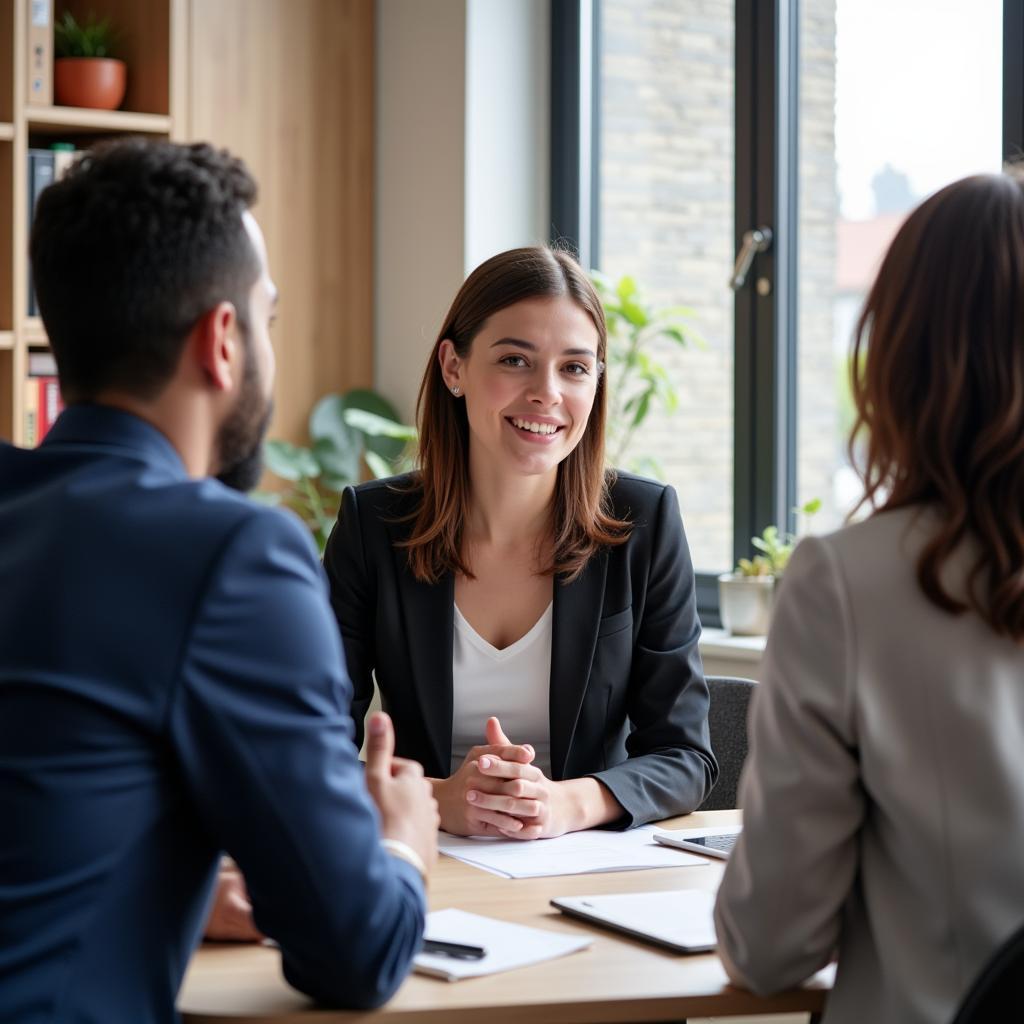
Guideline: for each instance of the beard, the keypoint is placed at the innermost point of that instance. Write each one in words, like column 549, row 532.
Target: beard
column 240, row 438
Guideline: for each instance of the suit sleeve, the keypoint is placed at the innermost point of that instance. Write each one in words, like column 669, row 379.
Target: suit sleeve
column 352, row 601
column 670, row 768
column 260, row 723
column 802, row 801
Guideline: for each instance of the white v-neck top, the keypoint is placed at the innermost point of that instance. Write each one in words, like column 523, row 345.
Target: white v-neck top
column 513, row 683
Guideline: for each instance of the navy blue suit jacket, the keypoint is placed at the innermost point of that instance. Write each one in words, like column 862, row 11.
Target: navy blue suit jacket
column 172, row 685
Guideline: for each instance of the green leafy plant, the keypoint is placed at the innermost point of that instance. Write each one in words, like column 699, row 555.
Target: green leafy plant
column 347, row 432
column 775, row 547
column 639, row 382
column 95, row 38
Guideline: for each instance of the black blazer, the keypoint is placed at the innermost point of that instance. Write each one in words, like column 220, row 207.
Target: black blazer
column 628, row 701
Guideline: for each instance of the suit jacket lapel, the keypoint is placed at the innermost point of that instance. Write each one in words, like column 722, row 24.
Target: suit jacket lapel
column 576, row 618
column 428, row 610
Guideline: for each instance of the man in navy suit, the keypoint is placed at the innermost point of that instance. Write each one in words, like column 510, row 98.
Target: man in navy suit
column 171, row 678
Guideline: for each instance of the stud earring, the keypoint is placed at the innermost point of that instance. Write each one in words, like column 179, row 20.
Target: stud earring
column 456, row 391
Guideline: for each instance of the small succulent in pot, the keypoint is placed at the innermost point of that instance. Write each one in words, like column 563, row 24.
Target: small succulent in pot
column 746, row 596
column 86, row 73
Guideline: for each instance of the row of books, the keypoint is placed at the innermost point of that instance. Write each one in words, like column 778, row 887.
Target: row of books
column 45, row 166
column 42, row 397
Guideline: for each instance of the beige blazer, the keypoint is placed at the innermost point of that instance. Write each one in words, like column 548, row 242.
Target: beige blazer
column 884, row 792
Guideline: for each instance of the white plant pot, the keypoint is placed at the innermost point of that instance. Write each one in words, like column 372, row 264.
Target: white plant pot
column 745, row 603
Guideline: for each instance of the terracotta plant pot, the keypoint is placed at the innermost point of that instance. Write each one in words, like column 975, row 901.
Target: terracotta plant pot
column 96, row 82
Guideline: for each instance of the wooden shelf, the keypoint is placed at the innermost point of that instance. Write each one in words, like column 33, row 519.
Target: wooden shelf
column 54, row 120
column 34, row 333
column 6, row 131
column 6, row 339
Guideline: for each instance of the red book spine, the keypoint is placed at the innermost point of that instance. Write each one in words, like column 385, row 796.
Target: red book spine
column 50, row 404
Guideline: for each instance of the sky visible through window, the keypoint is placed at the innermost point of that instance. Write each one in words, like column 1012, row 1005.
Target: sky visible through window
column 917, row 105
column 915, row 83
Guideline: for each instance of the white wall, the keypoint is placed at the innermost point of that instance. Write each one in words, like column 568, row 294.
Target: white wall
column 419, row 195
column 461, row 161
column 507, row 126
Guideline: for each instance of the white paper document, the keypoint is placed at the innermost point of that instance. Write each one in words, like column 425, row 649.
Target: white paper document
column 508, row 945
column 577, row 853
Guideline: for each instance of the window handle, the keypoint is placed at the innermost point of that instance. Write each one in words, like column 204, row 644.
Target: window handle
column 754, row 241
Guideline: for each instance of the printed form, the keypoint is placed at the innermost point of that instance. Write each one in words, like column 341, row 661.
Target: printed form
column 576, row 853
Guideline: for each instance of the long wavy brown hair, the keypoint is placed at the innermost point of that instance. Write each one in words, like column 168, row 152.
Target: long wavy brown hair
column 582, row 521
column 938, row 382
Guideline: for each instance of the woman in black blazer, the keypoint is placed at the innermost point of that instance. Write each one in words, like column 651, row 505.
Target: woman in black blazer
column 512, row 527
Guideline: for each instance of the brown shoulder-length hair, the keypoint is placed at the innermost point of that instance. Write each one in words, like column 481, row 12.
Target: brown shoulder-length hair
column 582, row 521
column 938, row 382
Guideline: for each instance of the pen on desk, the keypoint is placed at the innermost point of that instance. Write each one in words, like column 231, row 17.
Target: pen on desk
column 456, row 950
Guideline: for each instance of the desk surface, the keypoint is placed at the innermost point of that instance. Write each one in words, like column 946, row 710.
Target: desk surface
column 616, row 979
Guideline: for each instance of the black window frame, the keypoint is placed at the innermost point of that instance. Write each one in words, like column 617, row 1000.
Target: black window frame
column 767, row 62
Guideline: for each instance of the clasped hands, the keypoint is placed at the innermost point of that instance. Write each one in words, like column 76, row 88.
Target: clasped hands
column 497, row 791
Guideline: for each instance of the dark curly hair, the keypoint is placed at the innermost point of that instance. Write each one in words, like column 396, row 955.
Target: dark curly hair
column 938, row 381
column 129, row 250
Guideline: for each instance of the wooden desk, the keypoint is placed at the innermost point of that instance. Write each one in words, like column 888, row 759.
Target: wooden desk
column 617, row 979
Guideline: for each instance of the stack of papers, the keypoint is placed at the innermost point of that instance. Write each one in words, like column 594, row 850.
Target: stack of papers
column 578, row 853
column 508, row 945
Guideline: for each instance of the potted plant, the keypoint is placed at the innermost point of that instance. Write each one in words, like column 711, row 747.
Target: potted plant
column 84, row 72
column 347, row 432
column 746, row 595
column 638, row 382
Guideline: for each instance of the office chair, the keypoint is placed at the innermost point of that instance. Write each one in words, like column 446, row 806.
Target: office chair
column 727, row 721
column 998, row 992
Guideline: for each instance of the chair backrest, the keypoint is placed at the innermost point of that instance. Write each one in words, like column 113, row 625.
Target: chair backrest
column 998, row 992
column 727, row 721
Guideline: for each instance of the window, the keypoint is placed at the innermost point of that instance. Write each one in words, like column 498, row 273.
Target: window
column 680, row 125
column 878, row 132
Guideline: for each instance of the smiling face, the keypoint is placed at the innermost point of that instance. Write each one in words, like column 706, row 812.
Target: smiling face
column 529, row 382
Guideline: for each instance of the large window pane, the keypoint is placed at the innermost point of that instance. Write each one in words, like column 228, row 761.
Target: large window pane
column 897, row 99
column 666, row 218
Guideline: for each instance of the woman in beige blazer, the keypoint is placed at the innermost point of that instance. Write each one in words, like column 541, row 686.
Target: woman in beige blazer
column 884, row 793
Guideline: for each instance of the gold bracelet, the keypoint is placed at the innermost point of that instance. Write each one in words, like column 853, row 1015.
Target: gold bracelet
column 403, row 851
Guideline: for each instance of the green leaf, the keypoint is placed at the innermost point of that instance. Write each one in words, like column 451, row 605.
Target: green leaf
column 675, row 333
column 379, row 466
column 271, row 498
column 327, row 422
column 635, row 313
column 389, row 448
column 378, row 426
column 336, row 463
column 626, row 288
column 289, row 461
column 643, row 407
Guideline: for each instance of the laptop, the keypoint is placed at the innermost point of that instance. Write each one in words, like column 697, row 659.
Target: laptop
column 681, row 920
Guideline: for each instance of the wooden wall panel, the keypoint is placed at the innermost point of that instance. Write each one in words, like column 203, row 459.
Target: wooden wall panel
column 288, row 86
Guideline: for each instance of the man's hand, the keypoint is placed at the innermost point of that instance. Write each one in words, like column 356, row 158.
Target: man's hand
column 483, row 770
column 230, row 917
column 408, row 810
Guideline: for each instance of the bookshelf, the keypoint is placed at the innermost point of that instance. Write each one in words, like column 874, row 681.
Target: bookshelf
column 288, row 87
column 60, row 120
column 148, row 27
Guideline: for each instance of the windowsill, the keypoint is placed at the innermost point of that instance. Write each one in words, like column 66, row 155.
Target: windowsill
column 719, row 643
